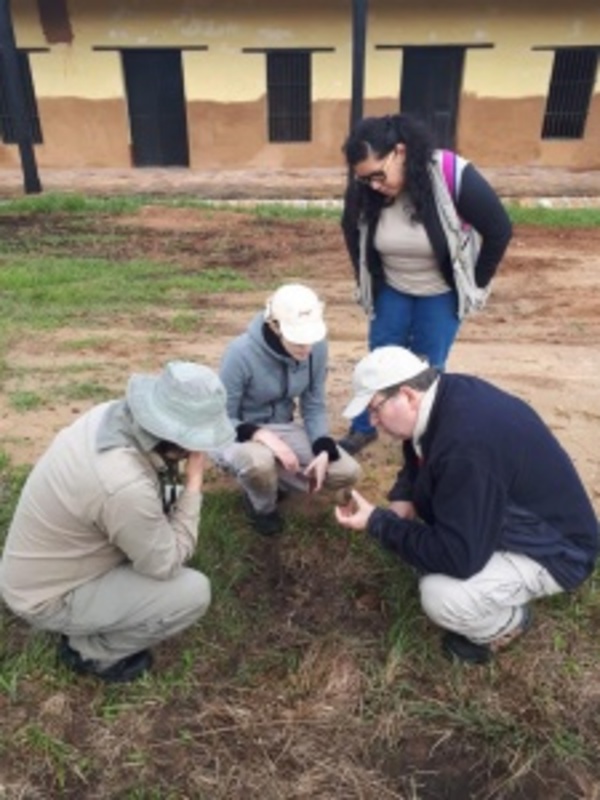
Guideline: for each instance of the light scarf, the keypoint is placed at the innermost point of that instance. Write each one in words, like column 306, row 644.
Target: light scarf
column 364, row 290
column 464, row 244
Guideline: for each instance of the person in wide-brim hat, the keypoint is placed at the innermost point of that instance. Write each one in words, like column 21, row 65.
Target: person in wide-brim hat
column 185, row 405
column 97, row 547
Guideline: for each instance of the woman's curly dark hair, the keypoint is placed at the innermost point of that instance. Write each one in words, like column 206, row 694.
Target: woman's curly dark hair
column 377, row 136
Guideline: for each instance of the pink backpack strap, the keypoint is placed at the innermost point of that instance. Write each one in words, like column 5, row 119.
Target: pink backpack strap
column 449, row 170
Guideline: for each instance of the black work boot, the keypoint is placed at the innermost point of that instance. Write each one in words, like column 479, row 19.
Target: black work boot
column 458, row 648
column 123, row 671
column 267, row 524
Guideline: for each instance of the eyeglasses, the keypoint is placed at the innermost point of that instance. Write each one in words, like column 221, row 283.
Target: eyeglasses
column 380, row 175
column 375, row 410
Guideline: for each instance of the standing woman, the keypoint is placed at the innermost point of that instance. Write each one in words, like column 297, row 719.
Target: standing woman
column 398, row 245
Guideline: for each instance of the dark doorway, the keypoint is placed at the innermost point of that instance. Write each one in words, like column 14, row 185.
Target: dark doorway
column 431, row 84
column 156, row 104
column 288, row 96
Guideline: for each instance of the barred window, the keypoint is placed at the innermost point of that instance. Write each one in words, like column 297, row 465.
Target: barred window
column 289, row 96
column 571, row 86
column 7, row 122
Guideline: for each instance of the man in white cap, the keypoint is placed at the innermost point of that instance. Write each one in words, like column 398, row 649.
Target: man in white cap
column 279, row 363
column 488, row 507
column 97, row 546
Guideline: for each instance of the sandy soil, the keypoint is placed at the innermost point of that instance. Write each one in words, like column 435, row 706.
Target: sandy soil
column 539, row 336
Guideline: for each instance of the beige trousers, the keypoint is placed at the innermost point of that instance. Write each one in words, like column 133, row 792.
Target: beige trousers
column 122, row 612
column 488, row 604
column 260, row 474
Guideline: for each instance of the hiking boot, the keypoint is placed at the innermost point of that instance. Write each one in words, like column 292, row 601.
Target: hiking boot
column 354, row 441
column 267, row 524
column 458, row 648
column 123, row 671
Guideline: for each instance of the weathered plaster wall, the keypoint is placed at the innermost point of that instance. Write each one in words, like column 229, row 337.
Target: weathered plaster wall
column 81, row 92
column 504, row 88
column 234, row 136
column 511, row 69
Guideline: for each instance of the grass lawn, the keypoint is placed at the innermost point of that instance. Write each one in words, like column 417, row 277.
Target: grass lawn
column 314, row 674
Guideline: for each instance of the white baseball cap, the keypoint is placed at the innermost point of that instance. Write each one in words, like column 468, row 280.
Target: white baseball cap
column 382, row 368
column 299, row 313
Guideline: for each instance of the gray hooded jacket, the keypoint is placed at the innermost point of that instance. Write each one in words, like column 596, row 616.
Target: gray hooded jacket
column 263, row 386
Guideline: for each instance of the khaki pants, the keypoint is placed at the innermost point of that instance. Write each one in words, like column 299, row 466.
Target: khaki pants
column 260, row 474
column 122, row 612
column 488, row 604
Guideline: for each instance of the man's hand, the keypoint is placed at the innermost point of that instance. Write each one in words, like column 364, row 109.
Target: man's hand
column 194, row 472
column 316, row 471
column 282, row 452
column 356, row 514
column 404, row 509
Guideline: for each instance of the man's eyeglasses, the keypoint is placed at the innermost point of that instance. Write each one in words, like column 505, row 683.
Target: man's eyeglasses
column 380, row 175
column 374, row 409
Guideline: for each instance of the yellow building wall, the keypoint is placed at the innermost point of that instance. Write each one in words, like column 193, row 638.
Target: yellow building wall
column 504, row 89
column 83, row 110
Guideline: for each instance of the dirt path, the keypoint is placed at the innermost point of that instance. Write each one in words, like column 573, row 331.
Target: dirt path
column 325, row 183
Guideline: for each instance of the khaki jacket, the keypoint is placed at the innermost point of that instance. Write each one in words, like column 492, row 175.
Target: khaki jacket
column 83, row 512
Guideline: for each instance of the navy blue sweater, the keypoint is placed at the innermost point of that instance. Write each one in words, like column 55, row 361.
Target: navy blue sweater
column 493, row 477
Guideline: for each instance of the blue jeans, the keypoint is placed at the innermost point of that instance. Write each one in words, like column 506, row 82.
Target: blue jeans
column 425, row 325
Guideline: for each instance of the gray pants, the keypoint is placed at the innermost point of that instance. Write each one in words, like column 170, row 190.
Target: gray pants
column 260, row 474
column 122, row 612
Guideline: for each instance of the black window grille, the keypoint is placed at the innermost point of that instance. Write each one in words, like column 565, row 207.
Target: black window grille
column 289, row 96
column 7, row 123
column 571, row 86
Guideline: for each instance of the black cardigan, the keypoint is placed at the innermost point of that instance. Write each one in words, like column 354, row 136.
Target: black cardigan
column 477, row 204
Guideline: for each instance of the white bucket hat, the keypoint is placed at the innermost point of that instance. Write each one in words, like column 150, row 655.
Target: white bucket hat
column 299, row 313
column 382, row 368
column 184, row 404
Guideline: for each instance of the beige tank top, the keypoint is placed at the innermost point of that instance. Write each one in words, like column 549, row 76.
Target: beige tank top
column 408, row 259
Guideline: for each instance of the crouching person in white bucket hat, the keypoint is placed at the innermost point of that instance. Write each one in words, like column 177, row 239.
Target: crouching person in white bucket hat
column 97, row 546
column 280, row 364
